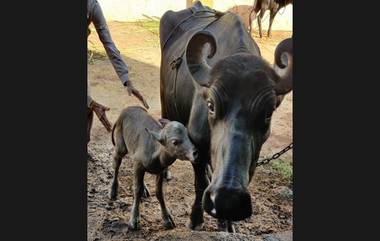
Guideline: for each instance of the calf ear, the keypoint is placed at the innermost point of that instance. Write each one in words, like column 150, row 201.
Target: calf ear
column 201, row 47
column 156, row 135
column 163, row 121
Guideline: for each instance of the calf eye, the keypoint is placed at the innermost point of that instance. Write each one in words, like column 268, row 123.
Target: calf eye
column 176, row 142
column 211, row 107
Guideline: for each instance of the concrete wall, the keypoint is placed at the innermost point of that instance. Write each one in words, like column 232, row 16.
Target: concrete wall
column 131, row 10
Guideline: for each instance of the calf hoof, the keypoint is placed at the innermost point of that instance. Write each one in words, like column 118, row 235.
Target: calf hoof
column 133, row 225
column 169, row 223
column 226, row 226
column 146, row 193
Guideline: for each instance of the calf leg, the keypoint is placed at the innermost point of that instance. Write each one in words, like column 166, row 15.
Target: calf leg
column 119, row 153
column 200, row 182
column 115, row 184
column 168, row 220
column 146, row 193
column 138, row 186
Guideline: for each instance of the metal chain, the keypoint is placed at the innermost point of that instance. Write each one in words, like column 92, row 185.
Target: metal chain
column 275, row 156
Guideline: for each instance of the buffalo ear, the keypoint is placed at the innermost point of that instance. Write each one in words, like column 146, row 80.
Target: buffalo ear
column 284, row 67
column 201, row 47
column 163, row 121
column 156, row 135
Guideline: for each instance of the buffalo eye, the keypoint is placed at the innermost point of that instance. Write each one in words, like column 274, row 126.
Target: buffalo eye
column 211, row 107
column 267, row 120
column 176, row 142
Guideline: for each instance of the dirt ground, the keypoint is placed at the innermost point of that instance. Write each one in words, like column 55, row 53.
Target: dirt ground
column 270, row 189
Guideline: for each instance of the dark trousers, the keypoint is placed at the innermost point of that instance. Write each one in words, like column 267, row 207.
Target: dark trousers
column 90, row 117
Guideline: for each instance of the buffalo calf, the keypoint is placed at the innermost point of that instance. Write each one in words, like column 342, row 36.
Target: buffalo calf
column 153, row 146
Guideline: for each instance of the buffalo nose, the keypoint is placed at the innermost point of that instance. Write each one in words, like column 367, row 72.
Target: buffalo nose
column 229, row 204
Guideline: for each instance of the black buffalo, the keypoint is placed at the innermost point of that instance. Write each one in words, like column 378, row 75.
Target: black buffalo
column 215, row 82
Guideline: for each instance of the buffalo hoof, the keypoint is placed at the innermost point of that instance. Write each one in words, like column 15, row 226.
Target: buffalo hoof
column 195, row 227
column 168, row 176
column 133, row 225
column 226, row 226
column 169, row 223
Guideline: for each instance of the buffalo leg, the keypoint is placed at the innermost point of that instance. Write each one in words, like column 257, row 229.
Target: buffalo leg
column 138, row 186
column 167, row 174
column 200, row 183
column 168, row 220
column 271, row 18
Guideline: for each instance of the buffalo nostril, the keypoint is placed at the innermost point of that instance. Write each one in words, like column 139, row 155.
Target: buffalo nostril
column 229, row 204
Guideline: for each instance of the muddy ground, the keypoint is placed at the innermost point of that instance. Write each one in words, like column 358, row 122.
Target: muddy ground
column 271, row 187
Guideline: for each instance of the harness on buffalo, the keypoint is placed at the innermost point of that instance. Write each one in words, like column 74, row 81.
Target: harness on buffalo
column 176, row 63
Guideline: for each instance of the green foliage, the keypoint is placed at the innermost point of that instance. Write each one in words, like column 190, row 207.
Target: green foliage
column 94, row 54
column 284, row 168
column 150, row 23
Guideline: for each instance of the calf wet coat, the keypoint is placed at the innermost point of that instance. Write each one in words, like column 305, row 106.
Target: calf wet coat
column 215, row 82
column 152, row 146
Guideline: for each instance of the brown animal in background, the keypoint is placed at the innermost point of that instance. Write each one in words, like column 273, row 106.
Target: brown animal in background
column 260, row 7
column 244, row 12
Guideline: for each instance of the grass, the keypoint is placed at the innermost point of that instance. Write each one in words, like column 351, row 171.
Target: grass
column 151, row 24
column 94, row 54
column 284, row 168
